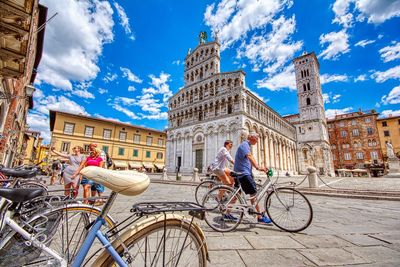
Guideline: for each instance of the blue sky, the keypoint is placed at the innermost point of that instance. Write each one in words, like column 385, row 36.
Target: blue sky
column 122, row 60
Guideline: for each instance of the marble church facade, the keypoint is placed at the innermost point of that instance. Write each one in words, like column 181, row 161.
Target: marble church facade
column 214, row 106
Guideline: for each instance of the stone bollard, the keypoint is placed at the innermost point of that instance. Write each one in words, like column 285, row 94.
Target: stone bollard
column 196, row 177
column 164, row 175
column 312, row 177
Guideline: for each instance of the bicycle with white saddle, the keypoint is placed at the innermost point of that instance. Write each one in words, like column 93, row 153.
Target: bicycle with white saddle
column 154, row 235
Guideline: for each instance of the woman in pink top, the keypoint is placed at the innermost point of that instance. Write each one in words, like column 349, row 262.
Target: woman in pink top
column 94, row 159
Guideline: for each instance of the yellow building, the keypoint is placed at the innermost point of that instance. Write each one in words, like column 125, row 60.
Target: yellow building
column 389, row 130
column 32, row 147
column 128, row 145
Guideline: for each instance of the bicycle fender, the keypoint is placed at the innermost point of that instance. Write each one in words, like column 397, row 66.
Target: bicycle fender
column 137, row 227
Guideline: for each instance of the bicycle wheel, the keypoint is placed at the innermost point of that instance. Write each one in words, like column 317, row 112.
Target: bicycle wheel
column 289, row 209
column 62, row 229
column 223, row 213
column 171, row 242
column 202, row 189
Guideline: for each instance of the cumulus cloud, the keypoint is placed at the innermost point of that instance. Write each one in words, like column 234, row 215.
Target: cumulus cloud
column 284, row 79
column 330, row 98
column 338, row 44
column 364, row 43
column 361, row 78
column 83, row 94
column 331, row 113
column 327, row 78
column 131, row 88
column 126, row 111
column 342, row 14
column 393, row 97
column 232, row 20
column 102, row 91
column 67, row 57
column 127, row 73
column 389, row 113
column 382, row 76
column 40, row 122
column 273, row 50
column 124, row 21
column 110, row 77
column 390, row 53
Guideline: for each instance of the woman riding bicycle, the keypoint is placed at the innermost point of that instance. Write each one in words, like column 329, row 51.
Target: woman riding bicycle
column 218, row 167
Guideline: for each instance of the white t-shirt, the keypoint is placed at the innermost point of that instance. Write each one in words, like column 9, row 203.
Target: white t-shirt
column 221, row 159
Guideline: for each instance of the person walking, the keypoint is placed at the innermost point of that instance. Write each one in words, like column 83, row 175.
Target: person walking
column 219, row 165
column 94, row 159
column 75, row 159
column 244, row 163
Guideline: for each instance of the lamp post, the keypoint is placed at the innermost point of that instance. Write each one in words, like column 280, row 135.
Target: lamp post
column 29, row 90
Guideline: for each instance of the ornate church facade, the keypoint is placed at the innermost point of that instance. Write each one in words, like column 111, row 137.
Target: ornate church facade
column 213, row 107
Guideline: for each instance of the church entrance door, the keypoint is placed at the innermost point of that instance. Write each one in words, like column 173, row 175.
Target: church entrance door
column 199, row 159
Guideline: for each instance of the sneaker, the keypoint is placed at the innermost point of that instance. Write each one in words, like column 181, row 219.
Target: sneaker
column 264, row 219
column 230, row 217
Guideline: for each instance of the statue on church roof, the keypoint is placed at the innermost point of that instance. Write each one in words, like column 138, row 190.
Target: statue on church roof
column 203, row 37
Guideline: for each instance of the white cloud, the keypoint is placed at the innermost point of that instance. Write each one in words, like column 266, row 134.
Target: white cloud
column 232, row 20
column 342, row 15
column 125, row 100
column 282, row 80
column 331, row 113
column 382, row 76
column 338, row 43
column 40, row 122
column 329, row 98
column 364, row 43
column 361, row 78
column 325, row 97
column 176, row 62
column 161, row 85
column 130, row 75
column 67, row 56
column 124, row 21
column 393, row 97
column 83, row 94
column 102, row 91
column 97, row 115
column 390, row 53
column 126, row 111
column 131, row 88
column 327, row 78
column 273, row 50
column 378, row 11
column 110, row 77
column 389, row 113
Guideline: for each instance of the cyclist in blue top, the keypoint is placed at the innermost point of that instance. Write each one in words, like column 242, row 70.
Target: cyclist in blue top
column 244, row 162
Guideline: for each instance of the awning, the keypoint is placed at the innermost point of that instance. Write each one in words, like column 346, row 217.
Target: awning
column 159, row 166
column 148, row 165
column 135, row 164
column 120, row 164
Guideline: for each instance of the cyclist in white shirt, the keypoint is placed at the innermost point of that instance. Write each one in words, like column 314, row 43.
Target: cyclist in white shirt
column 218, row 167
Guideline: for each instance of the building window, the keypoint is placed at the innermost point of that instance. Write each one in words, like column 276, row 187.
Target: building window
column 398, row 121
column 343, row 133
column 149, row 140
column 160, row 142
column 148, row 154
column 347, row 156
column 341, row 124
column 89, row 131
column 386, row 133
column 384, row 123
column 308, row 101
column 353, row 122
column 86, row 147
column 333, row 146
column 105, row 149
column 159, row 155
column 333, row 157
column 65, row 146
column 360, row 155
column 357, row 144
column 135, row 153
column 346, row 146
column 370, row 131
column 121, row 151
column 373, row 142
column 69, row 128
column 107, row 134
column 356, row 132
column 374, row 155
column 367, row 120
column 122, row 136
column 136, row 139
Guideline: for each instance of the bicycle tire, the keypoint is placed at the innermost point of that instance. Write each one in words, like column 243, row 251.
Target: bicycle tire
column 55, row 234
column 153, row 243
column 289, row 209
column 216, row 210
column 202, row 189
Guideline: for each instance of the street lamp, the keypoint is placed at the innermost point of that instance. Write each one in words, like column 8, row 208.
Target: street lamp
column 29, row 89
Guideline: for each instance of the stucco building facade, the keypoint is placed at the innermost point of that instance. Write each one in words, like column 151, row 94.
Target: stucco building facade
column 389, row 131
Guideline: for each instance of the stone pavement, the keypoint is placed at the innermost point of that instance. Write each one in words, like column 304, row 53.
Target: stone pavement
column 344, row 232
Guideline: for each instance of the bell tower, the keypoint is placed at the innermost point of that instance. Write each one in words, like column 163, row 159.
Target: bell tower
column 312, row 132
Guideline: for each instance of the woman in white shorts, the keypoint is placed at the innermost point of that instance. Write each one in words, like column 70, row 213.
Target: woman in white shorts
column 218, row 167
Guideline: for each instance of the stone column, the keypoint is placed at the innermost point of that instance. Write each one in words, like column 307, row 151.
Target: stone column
column 266, row 151
column 205, row 163
column 271, row 152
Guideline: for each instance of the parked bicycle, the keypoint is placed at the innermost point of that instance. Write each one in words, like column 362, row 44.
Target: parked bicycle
column 152, row 236
column 287, row 208
column 21, row 177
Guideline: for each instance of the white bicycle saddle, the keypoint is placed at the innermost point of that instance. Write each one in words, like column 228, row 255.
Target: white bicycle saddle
column 129, row 183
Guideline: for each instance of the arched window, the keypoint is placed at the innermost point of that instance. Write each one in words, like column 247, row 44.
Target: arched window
column 305, row 154
column 304, row 87
column 308, row 74
column 308, row 101
column 308, row 86
column 301, row 74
